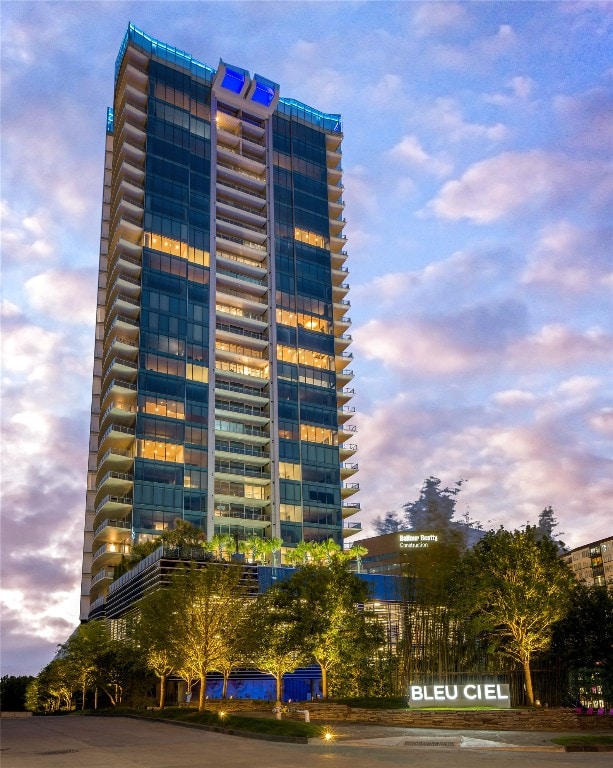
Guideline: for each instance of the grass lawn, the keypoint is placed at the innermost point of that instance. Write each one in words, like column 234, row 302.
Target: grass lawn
column 584, row 740
column 232, row 722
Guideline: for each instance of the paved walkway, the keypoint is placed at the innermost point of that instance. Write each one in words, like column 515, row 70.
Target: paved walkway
column 96, row 742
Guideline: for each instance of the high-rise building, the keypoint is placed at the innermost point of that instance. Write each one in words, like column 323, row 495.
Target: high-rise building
column 220, row 385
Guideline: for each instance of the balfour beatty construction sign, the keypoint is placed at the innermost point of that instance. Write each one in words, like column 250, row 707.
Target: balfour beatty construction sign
column 466, row 695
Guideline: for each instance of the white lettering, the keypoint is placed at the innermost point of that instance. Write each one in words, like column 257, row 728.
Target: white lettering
column 417, row 693
column 439, row 692
column 489, row 691
column 448, row 691
column 467, row 695
column 426, row 697
column 499, row 693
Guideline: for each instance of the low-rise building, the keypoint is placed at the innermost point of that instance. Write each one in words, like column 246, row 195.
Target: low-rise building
column 592, row 563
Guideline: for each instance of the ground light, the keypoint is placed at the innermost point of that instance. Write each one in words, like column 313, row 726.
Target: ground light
column 328, row 735
column 222, row 714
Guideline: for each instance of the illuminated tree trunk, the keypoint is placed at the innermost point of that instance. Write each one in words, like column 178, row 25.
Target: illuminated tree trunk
column 202, row 696
column 324, row 682
column 528, row 681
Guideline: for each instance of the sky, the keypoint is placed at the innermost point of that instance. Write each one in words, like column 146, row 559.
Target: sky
column 477, row 160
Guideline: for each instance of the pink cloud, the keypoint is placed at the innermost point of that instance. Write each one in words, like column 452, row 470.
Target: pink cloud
column 515, row 181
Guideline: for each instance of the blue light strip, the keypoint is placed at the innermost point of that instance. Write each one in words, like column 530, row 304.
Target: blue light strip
column 110, row 123
column 149, row 45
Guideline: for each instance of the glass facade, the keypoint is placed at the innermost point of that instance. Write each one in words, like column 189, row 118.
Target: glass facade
column 220, row 384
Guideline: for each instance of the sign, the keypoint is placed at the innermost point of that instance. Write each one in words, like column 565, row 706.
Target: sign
column 494, row 695
column 417, row 540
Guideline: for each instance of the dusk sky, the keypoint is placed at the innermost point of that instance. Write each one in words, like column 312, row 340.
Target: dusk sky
column 479, row 191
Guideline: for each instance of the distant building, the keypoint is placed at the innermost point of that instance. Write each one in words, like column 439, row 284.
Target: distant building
column 592, row 563
column 390, row 552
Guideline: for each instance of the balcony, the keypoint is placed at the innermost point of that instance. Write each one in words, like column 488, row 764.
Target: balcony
column 342, row 359
column 116, row 506
column 344, row 377
column 102, row 579
column 119, row 367
column 348, row 489
column 350, row 508
column 118, row 388
column 130, row 170
column 123, row 305
column 345, row 412
column 115, row 459
column 350, row 529
column 231, row 156
column 117, row 437
column 233, row 192
column 226, row 514
column 340, row 307
column 113, row 531
column 232, row 450
column 346, row 450
column 242, row 213
column 120, row 346
column 245, row 432
column 342, row 342
column 109, row 554
column 344, row 395
column 240, row 392
column 115, row 484
column 229, row 172
column 347, row 470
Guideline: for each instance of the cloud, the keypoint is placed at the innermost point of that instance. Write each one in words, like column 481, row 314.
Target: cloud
column 571, row 259
column 517, row 181
column 409, row 151
column 446, row 117
column 521, row 88
column 65, row 295
column 512, row 470
column 477, row 53
column 26, row 237
column 433, row 18
column 556, row 345
column 448, row 344
column 589, row 116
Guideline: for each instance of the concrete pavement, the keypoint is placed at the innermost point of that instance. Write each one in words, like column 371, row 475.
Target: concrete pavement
column 96, row 742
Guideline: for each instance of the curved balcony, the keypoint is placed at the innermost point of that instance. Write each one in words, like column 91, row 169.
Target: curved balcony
column 347, row 450
column 344, row 395
column 115, row 484
column 225, row 515
column 348, row 489
column 350, row 508
column 118, row 388
column 344, row 413
column 120, row 346
column 347, row 470
column 101, row 580
column 116, row 436
column 342, row 359
column 344, row 377
column 113, row 531
column 115, row 459
column 342, row 342
column 109, row 554
column 350, row 529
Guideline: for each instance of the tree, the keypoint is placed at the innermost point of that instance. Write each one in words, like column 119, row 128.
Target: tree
column 13, row 692
column 121, row 672
column 274, row 641
column 434, row 511
column 203, row 601
column 222, row 544
column 515, row 587
column 546, row 525
column 81, row 650
column 388, row 523
column 321, row 603
column 155, row 631
column 253, row 547
column 583, row 640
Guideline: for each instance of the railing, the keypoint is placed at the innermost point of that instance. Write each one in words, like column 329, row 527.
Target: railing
column 250, row 410
column 112, row 524
column 240, row 241
column 243, row 450
column 246, row 470
column 237, row 349
column 116, row 476
column 238, row 169
column 242, row 224
column 120, row 383
column 351, row 486
column 241, row 259
column 114, row 452
column 240, row 331
column 240, row 276
column 105, row 573
column 242, row 370
column 124, row 500
column 240, row 429
column 244, row 515
column 117, row 428
column 115, row 549
column 237, row 311
column 242, row 295
column 253, row 193
column 242, row 389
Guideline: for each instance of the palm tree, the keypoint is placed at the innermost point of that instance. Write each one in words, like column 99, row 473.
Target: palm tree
column 221, row 544
column 357, row 552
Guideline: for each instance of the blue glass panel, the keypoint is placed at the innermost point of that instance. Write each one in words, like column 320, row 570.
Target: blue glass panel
column 233, row 81
column 263, row 94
